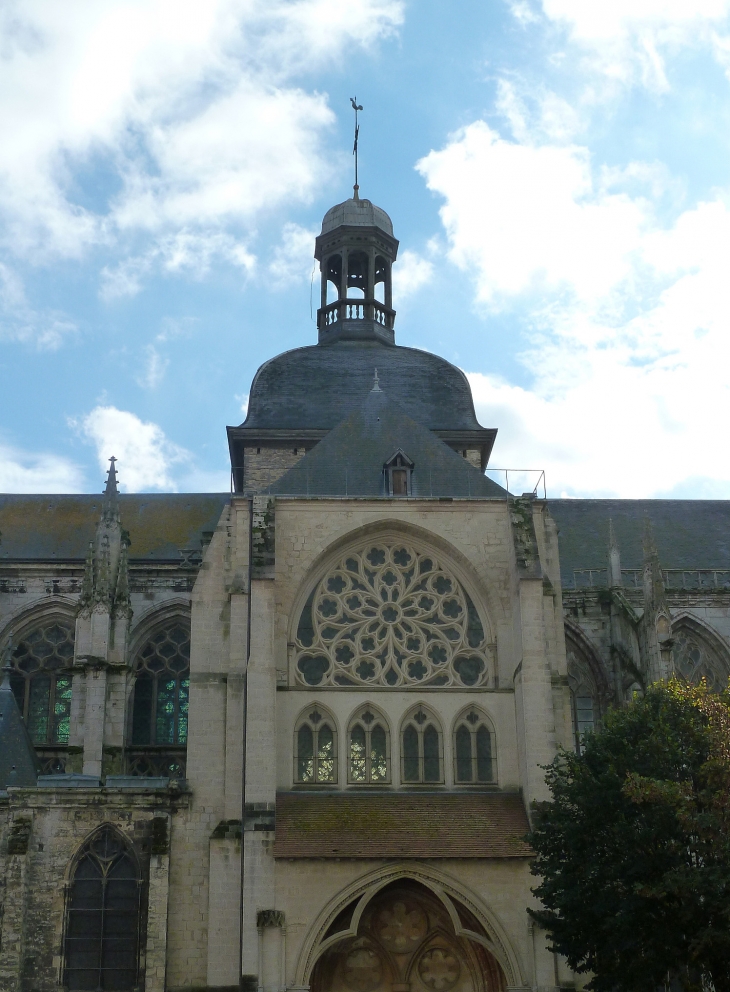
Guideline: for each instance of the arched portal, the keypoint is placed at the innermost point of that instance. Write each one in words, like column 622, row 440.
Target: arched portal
column 406, row 942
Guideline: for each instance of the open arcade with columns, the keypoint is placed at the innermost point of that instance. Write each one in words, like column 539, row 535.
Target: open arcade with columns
column 288, row 737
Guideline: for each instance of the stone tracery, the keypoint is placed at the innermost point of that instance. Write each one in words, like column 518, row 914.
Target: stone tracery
column 391, row 615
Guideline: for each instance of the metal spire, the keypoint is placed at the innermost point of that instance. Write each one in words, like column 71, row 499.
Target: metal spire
column 376, row 384
column 356, row 107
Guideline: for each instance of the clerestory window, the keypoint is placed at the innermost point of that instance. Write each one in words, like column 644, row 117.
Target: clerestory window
column 421, row 748
column 160, row 704
column 102, row 931
column 474, row 764
column 315, row 748
column 369, row 748
column 41, row 681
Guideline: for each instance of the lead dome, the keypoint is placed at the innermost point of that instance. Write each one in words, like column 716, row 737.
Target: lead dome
column 356, row 213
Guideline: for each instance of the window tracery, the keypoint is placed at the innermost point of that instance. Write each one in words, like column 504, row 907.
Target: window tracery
column 42, row 681
column 390, row 615
column 421, row 748
column 694, row 659
column 159, row 730
column 102, row 931
column 583, row 698
column 473, row 759
column 369, row 751
column 315, row 748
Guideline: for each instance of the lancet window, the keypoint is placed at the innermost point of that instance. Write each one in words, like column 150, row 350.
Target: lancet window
column 388, row 614
column 159, row 730
column 583, row 697
column 103, row 922
column 474, row 764
column 695, row 659
column 41, row 680
column 369, row 748
column 421, row 748
column 315, row 748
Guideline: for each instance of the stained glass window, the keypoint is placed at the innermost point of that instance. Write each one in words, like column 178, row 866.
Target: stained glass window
column 391, row 615
column 102, row 932
column 162, row 688
column 315, row 748
column 41, row 681
column 473, row 749
column 696, row 659
column 369, row 758
column 421, row 748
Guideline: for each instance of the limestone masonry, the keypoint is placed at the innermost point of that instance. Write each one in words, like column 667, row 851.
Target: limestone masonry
column 289, row 737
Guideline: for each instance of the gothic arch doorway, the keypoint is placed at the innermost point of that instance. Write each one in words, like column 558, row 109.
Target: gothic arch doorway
column 406, row 942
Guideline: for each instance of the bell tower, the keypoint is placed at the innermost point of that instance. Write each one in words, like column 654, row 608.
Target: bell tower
column 356, row 251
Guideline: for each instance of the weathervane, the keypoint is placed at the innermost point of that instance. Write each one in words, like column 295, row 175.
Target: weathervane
column 356, row 107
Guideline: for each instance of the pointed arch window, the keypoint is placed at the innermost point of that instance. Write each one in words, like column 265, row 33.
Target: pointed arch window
column 315, row 748
column 41, row 681
column 421, row 748
column 159, row 726
column 101, row 948
column 368, row 748
column 695, row 659
column 473, row 752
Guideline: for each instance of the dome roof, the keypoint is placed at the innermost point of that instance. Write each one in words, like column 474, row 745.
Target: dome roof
column 317, row 387
column 356, row 213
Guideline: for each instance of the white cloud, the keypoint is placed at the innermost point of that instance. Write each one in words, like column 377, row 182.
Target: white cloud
column 26, row 472
column 293, row 259
column 630, row 40
column 410, row 273
column 522, row 216
column 45, row 329
column 628, row 353
column 192, row 107
column 154, row 369
column 146, row 456
column 181, row 252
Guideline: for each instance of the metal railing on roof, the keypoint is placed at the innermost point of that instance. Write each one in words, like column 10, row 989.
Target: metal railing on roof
column 674, row 578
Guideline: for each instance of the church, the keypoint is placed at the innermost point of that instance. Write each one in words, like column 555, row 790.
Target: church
column 288, row 737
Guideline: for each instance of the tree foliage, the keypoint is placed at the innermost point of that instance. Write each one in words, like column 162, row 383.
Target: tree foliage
column 633, row 852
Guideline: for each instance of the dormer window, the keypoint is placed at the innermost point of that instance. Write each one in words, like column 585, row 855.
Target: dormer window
column 398, row 470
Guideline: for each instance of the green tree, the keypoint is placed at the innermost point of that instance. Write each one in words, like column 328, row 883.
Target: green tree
column 633, row 852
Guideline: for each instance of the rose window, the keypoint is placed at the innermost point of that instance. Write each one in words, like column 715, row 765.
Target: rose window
column 390, row 615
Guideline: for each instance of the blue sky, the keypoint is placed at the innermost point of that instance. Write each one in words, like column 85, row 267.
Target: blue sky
column 557, row 171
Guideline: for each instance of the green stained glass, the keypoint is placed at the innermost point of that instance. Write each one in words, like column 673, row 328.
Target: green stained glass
column 165, row 714
column 182, row 712
column 40, row 695
column 325, row 754
column 62, row 710
column 357, row 754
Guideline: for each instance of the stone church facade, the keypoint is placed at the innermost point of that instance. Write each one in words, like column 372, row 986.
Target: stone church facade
column 288, row 737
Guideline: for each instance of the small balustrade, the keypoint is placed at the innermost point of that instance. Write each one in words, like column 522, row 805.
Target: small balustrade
column 341, row 310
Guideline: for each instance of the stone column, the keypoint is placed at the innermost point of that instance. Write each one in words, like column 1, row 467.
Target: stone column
column 157, row 902
column 12, row 932
column 258, row 837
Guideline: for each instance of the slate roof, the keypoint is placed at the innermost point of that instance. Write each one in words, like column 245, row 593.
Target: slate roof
column 316, row 387
column 349, row 460
column 401, row 825
column 688, row 533
column 18, row 762
column 58, row 528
